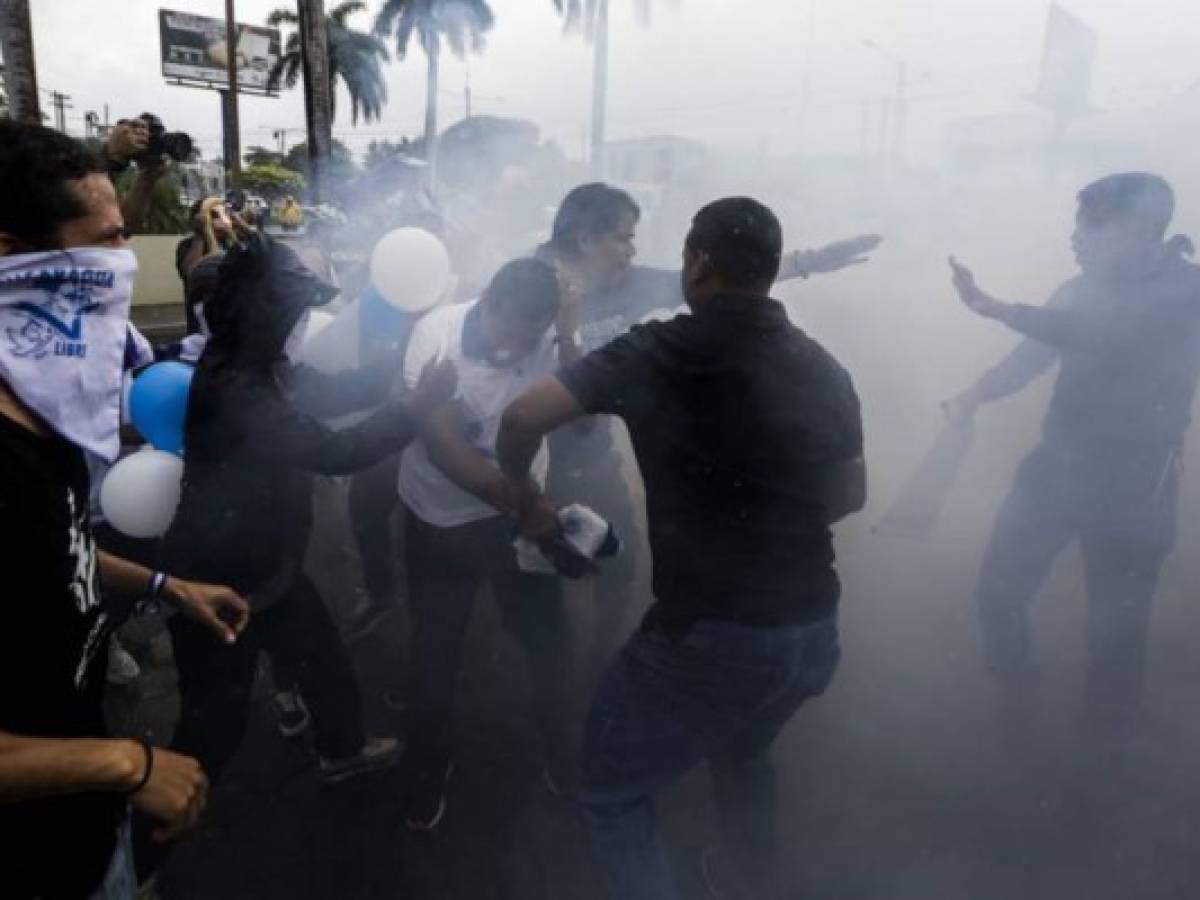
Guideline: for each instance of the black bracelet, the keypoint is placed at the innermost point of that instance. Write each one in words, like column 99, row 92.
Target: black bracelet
column 149, row 751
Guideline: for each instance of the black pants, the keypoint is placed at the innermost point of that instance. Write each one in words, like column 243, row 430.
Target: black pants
column 1124, row 520
column 215, row 680
column 446, row 568
column 372, row 500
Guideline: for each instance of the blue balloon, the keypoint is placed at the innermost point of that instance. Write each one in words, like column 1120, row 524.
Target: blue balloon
column 158, row 404
column 380, row 320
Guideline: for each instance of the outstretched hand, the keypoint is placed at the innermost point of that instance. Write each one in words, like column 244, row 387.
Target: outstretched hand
column 217, row 608
column 841, row 254
column 969, row 292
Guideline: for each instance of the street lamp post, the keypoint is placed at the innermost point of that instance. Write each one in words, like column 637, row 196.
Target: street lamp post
column 899, row 104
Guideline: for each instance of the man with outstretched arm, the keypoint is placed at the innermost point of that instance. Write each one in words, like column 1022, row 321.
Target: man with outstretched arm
column 1125, row 334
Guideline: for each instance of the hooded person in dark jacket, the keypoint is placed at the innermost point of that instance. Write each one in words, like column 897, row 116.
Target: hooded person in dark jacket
column 252, row 444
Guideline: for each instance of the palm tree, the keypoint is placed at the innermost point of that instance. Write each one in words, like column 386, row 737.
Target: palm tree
column 591, row 17
column 462, row 24
column 354, row 57
column 20, row 73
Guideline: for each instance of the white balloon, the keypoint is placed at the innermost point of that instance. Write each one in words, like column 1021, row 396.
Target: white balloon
column 410, row 269
column 139, row 495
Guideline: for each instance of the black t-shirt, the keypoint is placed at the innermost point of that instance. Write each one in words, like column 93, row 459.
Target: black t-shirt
column 736, row 417
column 52, row 668
column 604, row 315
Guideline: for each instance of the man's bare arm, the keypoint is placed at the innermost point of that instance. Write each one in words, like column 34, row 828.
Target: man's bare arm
column 545, row 406
column 33, row 767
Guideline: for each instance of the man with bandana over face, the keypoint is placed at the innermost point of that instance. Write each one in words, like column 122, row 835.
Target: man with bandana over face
column 252, row 444
column 66, row 277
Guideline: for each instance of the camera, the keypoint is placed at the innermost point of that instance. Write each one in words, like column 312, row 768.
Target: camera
column 175, row 144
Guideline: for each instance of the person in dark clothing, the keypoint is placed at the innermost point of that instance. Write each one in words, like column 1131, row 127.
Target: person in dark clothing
column 749, row 440
column 592, row 244
column 1125, row 334
column 66, row 787
column 245, row 510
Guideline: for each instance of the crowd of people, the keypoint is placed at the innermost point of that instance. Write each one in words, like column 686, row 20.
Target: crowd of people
column 490, row 422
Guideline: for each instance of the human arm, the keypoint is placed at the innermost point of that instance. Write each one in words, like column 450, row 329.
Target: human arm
column 217, row 608
column 287, row 435
column 830, row 258
column 608, row 380
column 328, row 395
column 174, row 790
column 1026, row 362
column 1054, row 324
column 127, row 140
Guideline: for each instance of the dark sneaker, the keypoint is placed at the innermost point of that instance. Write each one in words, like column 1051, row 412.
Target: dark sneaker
column 377, row 753
column 425, row 805
column 365, row 618
column 291, row 713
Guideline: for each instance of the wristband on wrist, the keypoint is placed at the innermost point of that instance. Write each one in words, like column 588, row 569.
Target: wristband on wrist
column 154, row 591
column 149, row 752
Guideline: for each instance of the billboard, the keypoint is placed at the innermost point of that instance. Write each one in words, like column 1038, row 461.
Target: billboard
column 194, row 48
column 1065, row 83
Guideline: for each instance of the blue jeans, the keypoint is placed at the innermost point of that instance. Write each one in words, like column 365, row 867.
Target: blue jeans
column 119, row 882
column 719, row 693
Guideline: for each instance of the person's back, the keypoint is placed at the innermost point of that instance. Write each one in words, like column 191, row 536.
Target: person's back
column 749, row 439
column 736, row 417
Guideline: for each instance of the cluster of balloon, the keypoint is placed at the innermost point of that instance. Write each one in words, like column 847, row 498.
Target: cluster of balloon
column 140, row 493
column 410, row 274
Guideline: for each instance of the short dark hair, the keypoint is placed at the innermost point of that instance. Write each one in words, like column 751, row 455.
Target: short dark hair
column 589, row 210
column 36, row 164
column 527, row 288
column 741, row 238
column 1132, row 196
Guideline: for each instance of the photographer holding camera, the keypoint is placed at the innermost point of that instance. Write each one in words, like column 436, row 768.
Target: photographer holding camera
column 146, row 142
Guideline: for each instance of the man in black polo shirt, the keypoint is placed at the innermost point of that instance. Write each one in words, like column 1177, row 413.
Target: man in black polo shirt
column 749, row 439
column 592, row 244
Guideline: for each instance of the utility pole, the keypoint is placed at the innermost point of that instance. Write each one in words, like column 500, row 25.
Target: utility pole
column 280, row 134
column 599, row 87
column 61, row 103
column 314, row 49
column 20, row 70
column 229, row 104
column 900, row 114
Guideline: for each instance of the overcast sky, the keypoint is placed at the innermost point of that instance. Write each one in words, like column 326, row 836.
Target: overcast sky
column 706, row 69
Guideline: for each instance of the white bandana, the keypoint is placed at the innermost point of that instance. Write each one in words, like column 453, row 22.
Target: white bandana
column 64, row 317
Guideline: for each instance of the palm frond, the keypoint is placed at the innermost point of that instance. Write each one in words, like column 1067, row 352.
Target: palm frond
column 282, row 16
